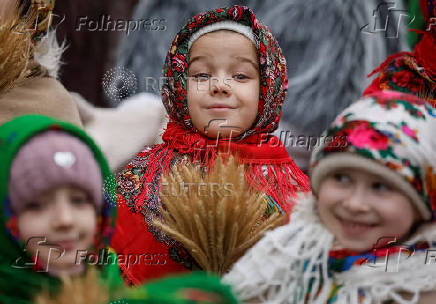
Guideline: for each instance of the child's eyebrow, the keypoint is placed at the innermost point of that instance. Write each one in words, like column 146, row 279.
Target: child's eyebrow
column 196, row 58
column 244, row 59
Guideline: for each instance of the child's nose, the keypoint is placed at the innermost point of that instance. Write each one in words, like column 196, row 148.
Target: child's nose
column 357, row 201
column 62, row 214
column 221, row 86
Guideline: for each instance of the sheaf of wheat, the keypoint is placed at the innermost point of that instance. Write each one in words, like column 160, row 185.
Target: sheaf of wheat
column 216, row 227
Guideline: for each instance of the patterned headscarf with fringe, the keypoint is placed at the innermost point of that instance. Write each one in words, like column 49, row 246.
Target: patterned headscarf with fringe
column 255, row 147
column 267, row 164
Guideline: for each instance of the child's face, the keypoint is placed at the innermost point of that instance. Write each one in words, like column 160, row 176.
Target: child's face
column 223, row 85
column 359, row 208
column 66, row 217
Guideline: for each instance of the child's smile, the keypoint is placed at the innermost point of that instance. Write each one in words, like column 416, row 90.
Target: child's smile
column 66, row 218
column 360, row 208
column 355, row 226
column 223, row 87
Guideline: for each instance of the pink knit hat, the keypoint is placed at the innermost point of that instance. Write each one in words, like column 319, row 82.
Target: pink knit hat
column 49, row 160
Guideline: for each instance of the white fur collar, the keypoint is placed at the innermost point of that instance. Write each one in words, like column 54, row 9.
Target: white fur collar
column 277, row 269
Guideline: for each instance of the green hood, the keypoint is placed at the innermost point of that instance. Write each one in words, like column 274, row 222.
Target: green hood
column 19, row 282
column 195, row 287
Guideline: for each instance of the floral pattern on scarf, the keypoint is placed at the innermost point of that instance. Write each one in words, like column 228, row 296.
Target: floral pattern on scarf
column 412, row 72
column 389, row 142
column 272, row 66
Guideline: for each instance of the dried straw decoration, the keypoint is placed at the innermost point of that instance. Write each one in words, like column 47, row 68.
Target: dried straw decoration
column 81, row 290
column 429, row 95
column 17, row 49
column 215, row 216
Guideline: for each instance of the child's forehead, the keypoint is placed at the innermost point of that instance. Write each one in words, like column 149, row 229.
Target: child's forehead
column 223, row 38
column 66, row 189
column 235, row 47
column 359, row 174
column 232, row 61
column 223, row 33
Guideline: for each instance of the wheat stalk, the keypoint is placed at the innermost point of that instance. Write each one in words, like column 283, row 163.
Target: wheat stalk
column 16, row 50
column 214, row 224
column 428, row 95
column 80, row 290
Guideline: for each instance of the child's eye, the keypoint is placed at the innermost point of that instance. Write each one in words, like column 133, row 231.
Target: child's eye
column 379, row 186
column 201, row 76
column 80, row 199
column 240, row 76
column 341, row 178
column 33, row 206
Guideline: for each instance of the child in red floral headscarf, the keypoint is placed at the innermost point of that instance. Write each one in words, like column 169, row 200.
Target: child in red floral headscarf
column 225, row 83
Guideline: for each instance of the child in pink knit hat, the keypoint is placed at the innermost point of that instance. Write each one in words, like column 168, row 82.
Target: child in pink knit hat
column 56, row 192
column 55, row 205
column 56, row 195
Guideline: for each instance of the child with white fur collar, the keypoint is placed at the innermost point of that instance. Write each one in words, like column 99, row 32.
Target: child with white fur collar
column 367, row 233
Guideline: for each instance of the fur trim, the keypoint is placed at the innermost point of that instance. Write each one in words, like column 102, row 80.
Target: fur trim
column 272, row 271
column 20, row 57
column 48, row 53
column 123, row 131
column 401, row 278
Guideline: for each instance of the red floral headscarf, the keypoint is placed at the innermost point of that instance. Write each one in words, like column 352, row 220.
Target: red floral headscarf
column 274, row 78
column 255, row 147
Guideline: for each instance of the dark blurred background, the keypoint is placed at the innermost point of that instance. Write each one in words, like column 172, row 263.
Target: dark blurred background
column 89, row 53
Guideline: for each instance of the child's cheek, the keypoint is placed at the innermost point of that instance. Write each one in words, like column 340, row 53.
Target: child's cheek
column 325, row 200
column 28, row 226
column 31, row 230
